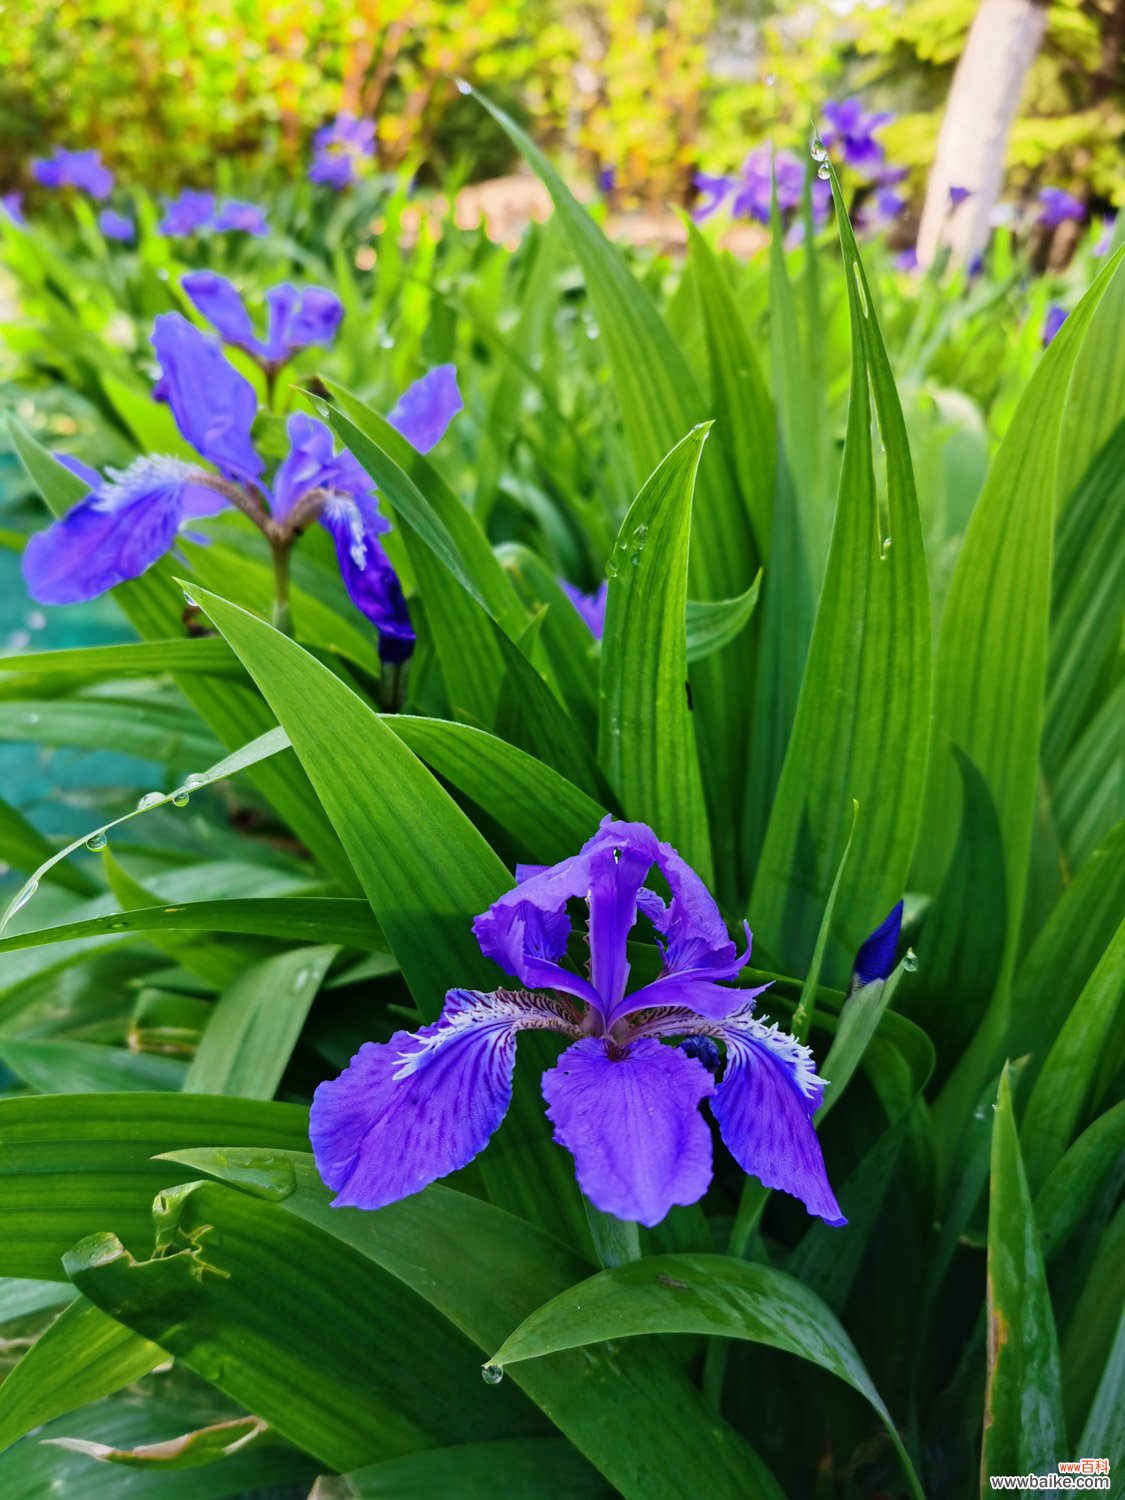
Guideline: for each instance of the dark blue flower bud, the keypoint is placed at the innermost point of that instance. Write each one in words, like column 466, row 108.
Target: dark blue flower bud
column 876, row 957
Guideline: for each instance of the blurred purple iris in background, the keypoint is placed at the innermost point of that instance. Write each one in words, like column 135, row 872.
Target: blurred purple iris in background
column 11, row 205
column 746, row 193
column 1056, row 317
column 1056, row 206
column 296, row 319
column 117, row 226
column 236, row 216
column 957, row 196
column 337, row 147
column 187, row 214
column 83, row 170
column 193, row 212
column 590, row 606
column 411, row 1110
column 131, row 519
column 851, row 129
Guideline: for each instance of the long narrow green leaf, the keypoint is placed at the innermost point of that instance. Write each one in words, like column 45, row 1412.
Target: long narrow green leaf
column 83, row 1356
column 1067, row 1079
column 323, row 1359
column 988, row 696
column 862, row 720
column 486, row 1270
column 523, row 1468
column 712, row 1294
column 646, row 735
column 1024, row 1430
column 70, row 1166
column 254, row 1027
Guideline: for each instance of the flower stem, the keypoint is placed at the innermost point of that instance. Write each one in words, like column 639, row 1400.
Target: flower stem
column 616, row 1241
column 282, row 614
column 392, row 683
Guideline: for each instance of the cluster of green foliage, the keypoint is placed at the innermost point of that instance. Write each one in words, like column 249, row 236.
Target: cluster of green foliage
column 892, row 575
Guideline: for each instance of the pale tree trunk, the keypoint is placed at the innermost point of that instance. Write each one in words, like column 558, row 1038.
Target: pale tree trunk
column 983, row 100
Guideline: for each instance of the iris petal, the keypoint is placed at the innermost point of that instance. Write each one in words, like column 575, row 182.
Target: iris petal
column 764, row 1106
column 408, row 1111
column 425, row 409
column 113, row 535
column 632, row 1124
column 214, row 406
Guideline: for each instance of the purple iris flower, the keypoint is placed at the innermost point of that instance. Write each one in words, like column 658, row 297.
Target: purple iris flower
column 235, row 216
column 749, row 189
column 333, row 169
column 1056, row 317
column 11, row 205
column 187, row 214
column 296, row 319
column 128, row 522
column 850, row 127
column 1056, row 206
column 117, row 226
column 876, row 957
column 590, row 606
column 1103, row 246
column 607, row 179
column 906, row 260
column 83, row 170
column 411, row 1110
column 957, row 196
column 346, row 132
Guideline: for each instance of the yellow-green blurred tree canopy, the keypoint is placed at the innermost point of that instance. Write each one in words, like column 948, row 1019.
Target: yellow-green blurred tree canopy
column 651, row 88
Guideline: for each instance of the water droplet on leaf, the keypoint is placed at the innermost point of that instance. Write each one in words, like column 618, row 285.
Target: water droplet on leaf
column 492, row 1374
column 910, row 961
column 194, row 779
column 181, row 797
column 96, row 842
column 884, row 549
column 150, row 799
column 822, row 172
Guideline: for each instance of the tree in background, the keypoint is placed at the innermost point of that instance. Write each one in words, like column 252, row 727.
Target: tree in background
column 967, row 176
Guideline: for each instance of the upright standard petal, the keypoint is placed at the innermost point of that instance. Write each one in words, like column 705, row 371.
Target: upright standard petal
column 630, row 1118
column 219, row 302
column 298, row 319
column 115, row 534
column 408, row 1111
column 426, row 408
column 214, row 406
column 764, row 1106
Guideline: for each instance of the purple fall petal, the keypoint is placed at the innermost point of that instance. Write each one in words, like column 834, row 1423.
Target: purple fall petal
column 632, row 1124
column 764, row 1106
column 113, row 535
column 115, row 226
column 411, row 1110
column 372, row 583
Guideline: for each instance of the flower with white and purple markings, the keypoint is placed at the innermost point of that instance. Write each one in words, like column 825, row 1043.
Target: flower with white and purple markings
column 132, row 518
column 624, row 1096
